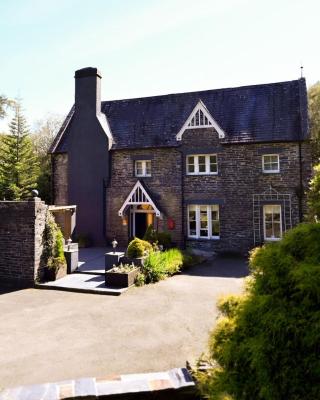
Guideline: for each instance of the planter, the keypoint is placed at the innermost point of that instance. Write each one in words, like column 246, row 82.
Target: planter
column 139, row 262
column 51, row 274
column 112, row 258
column 121, row 279
column 72, row 259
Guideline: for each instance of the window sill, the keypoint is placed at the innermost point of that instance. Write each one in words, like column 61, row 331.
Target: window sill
column 143, row 176
column 272, row 239
column 205, row 239
column 271, row 172
column 203, row 174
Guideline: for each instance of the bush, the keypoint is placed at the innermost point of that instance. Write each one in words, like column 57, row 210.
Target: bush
column 160, row 265
column 150, row 235
column 164, row 239
column 140, row 279
column 266, row 346
column 189, row 260
column 53, row 251
column 138, row 248
column 160, row 238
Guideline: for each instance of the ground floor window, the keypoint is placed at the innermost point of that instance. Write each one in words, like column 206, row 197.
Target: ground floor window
column 272, row 222
column 203, row 221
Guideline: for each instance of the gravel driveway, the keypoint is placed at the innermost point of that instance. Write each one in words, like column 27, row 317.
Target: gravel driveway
column 50, row 335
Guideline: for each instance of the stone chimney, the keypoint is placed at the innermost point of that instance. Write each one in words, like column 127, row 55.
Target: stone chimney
column 88, row 90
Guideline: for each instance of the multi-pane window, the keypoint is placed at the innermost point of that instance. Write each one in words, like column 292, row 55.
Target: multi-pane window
column 270, row 163
column 272, row 222
column 202, row 164
column 143, row 168
column 203, row 221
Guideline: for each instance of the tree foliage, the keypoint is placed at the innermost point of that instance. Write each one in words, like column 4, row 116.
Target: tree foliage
column 314, row 116
column 266, row 345
column 314, row 195
column 19, row 165
column 44, row 133
column 4, row 104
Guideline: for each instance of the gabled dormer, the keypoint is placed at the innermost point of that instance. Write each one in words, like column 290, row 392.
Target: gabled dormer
column 200, row 117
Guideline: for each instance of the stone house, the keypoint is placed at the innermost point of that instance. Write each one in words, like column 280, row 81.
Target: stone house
column 223, row 169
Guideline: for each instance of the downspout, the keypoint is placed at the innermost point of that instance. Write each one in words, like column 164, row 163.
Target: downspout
column 106, row 184
column 52, row 179
column 182, row 197
column 300, row 184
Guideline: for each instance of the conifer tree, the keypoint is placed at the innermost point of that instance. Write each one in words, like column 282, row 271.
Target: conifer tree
column 18, row 163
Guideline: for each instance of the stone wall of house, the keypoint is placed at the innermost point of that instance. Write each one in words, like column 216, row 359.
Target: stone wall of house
column 21, row 228
column 239, row 177
column 164, row 187
column 60, row 179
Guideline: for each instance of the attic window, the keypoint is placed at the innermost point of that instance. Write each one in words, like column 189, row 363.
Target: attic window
column 199, row 120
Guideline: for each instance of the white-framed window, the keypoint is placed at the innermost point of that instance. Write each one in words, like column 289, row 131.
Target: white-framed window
column 202, row 164
column 270, row 163
column 142, row 168
column 272, row 222
column 203, row 221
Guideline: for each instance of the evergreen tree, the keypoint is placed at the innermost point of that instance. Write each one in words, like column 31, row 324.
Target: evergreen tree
column 19, row 166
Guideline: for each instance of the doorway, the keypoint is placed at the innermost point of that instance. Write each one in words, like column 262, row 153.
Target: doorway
column 140, row 224
column 140, row 218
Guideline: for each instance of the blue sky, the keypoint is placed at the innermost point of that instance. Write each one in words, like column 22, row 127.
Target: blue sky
column 151, row 47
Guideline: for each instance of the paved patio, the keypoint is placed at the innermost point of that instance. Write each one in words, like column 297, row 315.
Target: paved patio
column 90, row 277
column 51, row 336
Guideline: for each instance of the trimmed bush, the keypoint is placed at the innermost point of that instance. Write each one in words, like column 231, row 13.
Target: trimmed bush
column 138, row 248
column 266, row 345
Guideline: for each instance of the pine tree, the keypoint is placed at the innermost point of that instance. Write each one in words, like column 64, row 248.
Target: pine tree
column 18, row 163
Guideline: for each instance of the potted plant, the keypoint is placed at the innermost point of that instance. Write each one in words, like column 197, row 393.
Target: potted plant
column 122, row 275
column 56, row 269
column 138, row 250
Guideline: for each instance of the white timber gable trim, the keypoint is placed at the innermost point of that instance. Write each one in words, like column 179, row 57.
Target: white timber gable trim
column 103, row 121
column 200, row 118
column 137, row 196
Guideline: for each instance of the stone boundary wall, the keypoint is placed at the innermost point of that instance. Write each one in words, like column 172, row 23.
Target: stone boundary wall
column 21, row 227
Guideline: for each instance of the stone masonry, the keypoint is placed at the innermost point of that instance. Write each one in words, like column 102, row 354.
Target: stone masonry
column 21, row 229
column 164, row 187
column 239, row 177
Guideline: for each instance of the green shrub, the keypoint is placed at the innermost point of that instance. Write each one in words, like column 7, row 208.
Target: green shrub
column 140, row 279
column 164, row 239
column 150, row 235
column 189, row 259
column 266, row 346
column 53, row 251
column 160, row 238
column 159, row 265
column 138, row 248
column 314, row 195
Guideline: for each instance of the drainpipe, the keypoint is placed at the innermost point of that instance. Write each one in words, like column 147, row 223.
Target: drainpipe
column 300, row 184
column 106, row 184
column 182, row 197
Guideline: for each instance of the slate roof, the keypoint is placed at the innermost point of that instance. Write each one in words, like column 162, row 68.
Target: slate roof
column 275, row 112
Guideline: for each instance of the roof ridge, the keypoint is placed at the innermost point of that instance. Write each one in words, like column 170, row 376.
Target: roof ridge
column 202, row 91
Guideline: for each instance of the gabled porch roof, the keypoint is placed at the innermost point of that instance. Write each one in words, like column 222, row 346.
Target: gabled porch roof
column 138, row 196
